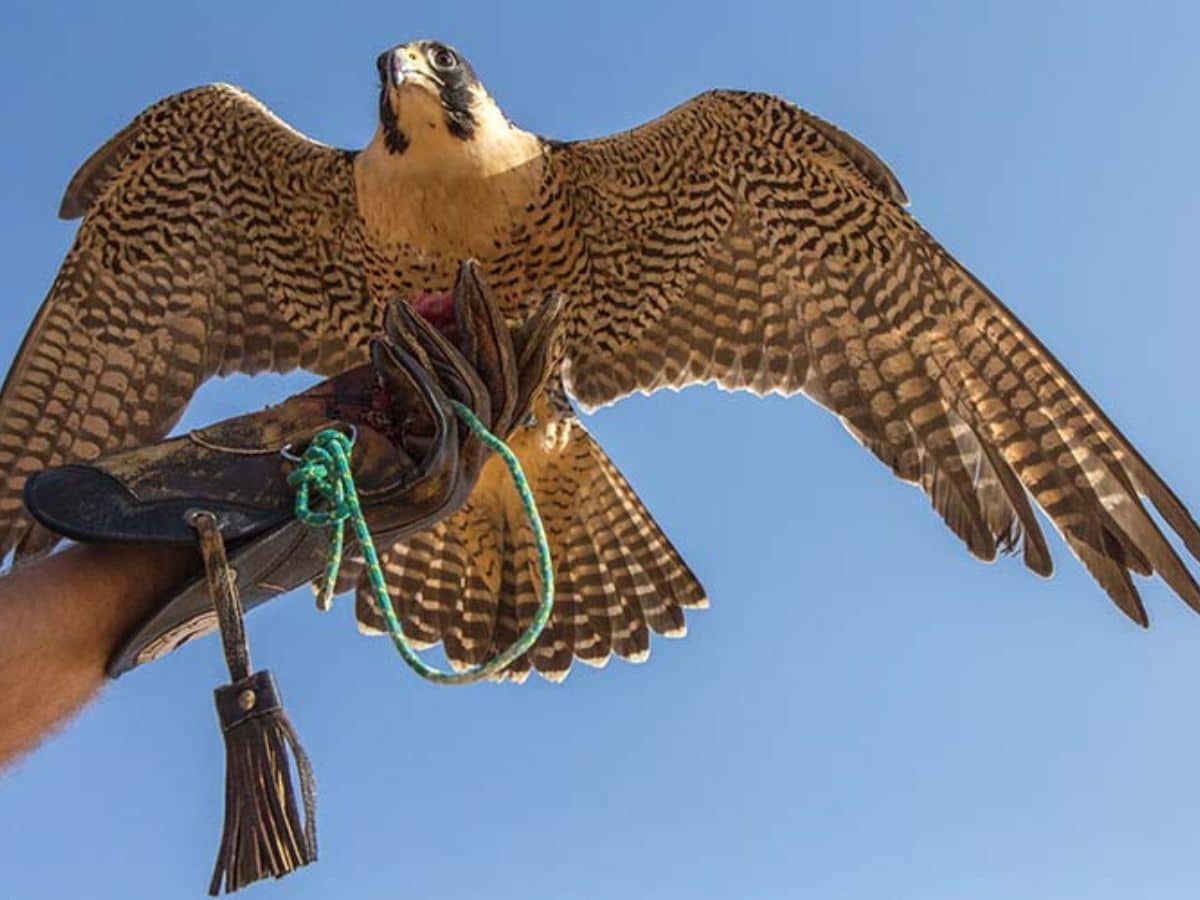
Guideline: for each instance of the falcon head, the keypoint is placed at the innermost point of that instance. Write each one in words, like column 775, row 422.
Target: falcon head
column 427, row 90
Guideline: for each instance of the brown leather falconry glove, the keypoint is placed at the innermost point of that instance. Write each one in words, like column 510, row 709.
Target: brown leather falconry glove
column 413, row 459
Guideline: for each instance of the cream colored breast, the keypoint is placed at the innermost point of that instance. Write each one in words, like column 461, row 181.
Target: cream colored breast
column 447, row 197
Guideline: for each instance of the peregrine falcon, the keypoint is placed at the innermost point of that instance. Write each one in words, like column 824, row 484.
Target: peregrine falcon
column 736, row 240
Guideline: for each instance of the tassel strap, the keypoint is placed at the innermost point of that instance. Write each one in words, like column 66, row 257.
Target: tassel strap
column 264, row 835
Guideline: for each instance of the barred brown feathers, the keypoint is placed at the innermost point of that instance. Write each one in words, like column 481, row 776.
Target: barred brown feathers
column 215, row 241
column 736, row 240
column 471, row 581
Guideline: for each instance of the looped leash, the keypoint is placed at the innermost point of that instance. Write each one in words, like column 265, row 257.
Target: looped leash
column 324, row 469
column 319, row 472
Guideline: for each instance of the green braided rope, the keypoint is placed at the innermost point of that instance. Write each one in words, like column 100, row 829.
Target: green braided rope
column 325, row 470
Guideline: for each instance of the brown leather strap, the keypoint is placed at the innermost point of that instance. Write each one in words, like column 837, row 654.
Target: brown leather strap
column 222, row 585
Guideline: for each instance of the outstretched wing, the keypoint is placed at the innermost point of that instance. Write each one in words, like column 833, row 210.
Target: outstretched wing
column 215, row 239
column 743, row 241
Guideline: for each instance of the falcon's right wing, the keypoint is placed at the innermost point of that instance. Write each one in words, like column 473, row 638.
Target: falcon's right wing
column 215, row 239
column 741, row 240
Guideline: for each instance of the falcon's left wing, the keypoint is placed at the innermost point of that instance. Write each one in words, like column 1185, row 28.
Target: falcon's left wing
column 215, row 239
column 743, row 241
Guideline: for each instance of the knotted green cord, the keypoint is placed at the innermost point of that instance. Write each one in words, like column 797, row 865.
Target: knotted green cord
column 325, row 469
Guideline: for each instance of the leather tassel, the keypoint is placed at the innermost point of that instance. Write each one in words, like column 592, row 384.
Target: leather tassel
column 264, row 835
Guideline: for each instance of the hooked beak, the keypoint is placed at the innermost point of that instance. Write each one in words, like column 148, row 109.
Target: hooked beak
column 396, row 67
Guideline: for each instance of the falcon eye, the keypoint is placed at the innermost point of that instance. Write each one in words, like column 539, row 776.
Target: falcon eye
column 442, row 58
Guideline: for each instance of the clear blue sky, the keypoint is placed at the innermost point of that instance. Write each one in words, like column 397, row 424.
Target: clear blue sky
column 865, row 711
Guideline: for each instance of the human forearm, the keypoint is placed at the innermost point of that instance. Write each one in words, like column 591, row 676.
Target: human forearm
column 60, row 620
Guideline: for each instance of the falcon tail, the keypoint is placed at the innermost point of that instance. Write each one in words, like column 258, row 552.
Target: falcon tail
column 471, row 582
